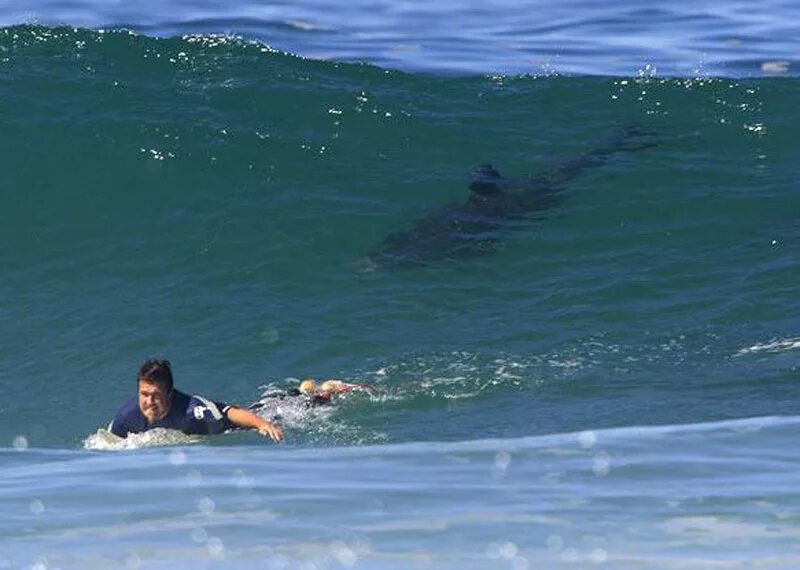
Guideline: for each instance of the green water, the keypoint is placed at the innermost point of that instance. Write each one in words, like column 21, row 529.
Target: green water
column 213, row 202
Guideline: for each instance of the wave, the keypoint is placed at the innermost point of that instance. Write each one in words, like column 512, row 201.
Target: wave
column 686, row 496
column 613, row 39
column 585, row 439
column 103, row 440
column 276, row 173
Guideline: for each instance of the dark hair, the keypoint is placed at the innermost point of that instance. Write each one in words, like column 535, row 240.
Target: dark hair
column 158, row 371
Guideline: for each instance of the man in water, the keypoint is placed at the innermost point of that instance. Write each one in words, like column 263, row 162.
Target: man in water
column 309, row 394
column 324, row 392
column 159, row 405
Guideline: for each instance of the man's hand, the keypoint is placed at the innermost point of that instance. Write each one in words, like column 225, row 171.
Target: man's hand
column 249, row 420
column 271, row 430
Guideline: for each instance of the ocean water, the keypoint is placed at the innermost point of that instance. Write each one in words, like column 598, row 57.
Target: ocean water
column 676, row 37
column 590, row 362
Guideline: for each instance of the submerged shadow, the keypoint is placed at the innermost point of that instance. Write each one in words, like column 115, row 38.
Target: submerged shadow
column 495, row 202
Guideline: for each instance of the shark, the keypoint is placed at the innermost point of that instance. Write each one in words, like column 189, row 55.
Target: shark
column 495, row 202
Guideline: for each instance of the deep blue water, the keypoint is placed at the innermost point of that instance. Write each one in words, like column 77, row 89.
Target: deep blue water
column 677, row 37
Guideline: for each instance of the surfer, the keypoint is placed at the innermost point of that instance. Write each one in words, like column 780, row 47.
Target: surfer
column 327, row 390
column 309, row 394
column 160, row 405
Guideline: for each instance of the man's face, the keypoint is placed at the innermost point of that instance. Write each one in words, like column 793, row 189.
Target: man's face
column 154, row 400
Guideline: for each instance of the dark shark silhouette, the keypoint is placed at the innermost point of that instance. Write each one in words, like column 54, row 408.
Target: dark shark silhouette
column 475, row 227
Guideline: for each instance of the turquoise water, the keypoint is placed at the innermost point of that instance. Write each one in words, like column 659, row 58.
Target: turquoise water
column 605, row 379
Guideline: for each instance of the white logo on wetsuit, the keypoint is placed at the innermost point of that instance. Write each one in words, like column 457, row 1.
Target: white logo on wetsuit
column 200, row 412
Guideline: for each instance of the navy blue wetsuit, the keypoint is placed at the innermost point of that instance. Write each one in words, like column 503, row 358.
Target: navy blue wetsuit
column 193, row 415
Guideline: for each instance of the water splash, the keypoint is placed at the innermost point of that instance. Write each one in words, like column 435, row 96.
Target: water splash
column 104, row 440
column 775, row 345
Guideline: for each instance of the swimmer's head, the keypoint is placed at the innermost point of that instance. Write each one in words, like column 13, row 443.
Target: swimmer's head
column 155, row 389
column 331, row 386
column 308, row 387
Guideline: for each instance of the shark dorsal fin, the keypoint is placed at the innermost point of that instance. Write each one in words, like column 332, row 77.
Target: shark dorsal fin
column 486, row 181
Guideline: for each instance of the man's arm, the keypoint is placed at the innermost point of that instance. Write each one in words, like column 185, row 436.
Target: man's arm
column 248, row 420
column 124, row 421
column 117, row 428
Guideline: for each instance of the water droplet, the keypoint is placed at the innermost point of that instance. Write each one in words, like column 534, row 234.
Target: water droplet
column 775, row 66
column 199, row 535
column 177, row 457
column 601, row 464
column 554, row 542
column 508, row 550
column 343, row 554
column 216, row 548
column 587, row 439
column 599, row 556
column 206, row 506
column 270, row 335
column 194, row 478
column 20, row 443
column 36, row 507
column 502, row 460
column 242, row 480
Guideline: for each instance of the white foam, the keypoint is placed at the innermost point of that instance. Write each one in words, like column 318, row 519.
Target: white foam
column 775, row 345
column 776, row 67
column 104, row 440
column 318, row 422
